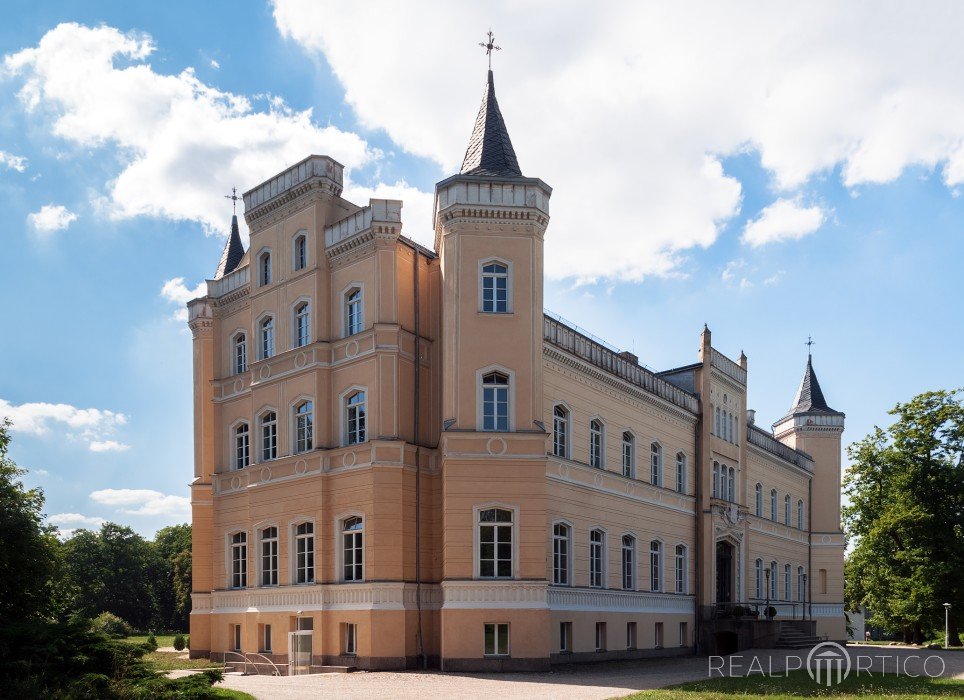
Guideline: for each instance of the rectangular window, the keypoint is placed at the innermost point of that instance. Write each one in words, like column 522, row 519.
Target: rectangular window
column 305, row 553
column 658, row 635
column 236, row 637
column 269, row 556
column 822, row 580
column 240, row 354
column 495, row 543
column 269, row 436
column 629, row 563
column 266, row 638
column 683, row 634
column 680, row 569
column 304, row 624
column 495, row 288
column 242, row 446
column 239, row 560
column 595, row 444
column 596, row 559
column 353, row 312
column 301, row 252
column 302, row 326
column 565, row 637
column 560, row 554
column 304, row 427
column 629, row 456
column 353, row 548
column 495, row 402
column 630, row 635
column 355, row 418
column 496, row 639
column 351, row 639
column 600, row 636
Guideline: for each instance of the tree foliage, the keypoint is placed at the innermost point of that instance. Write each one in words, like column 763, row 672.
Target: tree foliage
column 905, row 488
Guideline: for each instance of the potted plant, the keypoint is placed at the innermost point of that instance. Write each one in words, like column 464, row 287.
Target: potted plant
column 771, row 612
column 738, row 611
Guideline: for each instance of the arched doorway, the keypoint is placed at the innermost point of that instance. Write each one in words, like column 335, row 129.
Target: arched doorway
column 724, row 572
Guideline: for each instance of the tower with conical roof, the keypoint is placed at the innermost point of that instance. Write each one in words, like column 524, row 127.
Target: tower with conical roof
column 232, row 253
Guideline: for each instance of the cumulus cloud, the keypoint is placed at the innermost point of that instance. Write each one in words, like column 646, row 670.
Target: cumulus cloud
column 75, row 520
column 90, row 425
column 176, row 292
column 630, row 121
column 215, row 65
column 50, row 218
column 784, row 220
column 9, row 160
column 143, row 502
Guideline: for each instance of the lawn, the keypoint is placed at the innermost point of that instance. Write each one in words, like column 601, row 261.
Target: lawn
column 799, row 684
column 173, row 661
column 163, row 640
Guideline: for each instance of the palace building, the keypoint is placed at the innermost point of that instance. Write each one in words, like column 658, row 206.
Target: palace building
column 402, row 460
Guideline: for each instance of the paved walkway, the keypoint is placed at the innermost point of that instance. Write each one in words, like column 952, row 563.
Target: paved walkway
column 589, row 682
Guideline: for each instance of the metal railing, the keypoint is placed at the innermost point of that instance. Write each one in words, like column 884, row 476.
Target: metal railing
column 793, row 610
column 768, row 443
column 244, row 659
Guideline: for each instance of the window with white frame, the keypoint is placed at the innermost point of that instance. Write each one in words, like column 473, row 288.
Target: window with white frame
column 495, row 639
column 353, row 549
column 495, row 402
column 680, row 472
column 681, row 568
column 596, row 443
column 240, row 353
column 302, row 325
column 561, row 546
column 758, row 570
column 787, row 590
column 629, row 562
column 759, row 499
column 597, row 552
column 801, row 584
column 239, row 560
column 495, row 543
column 629, row 455
column 305, row 553
column 304, row 426
column 266, row 638
column 773, row 581
column 800, row 514
column 773, row 505
column 786, row 509
column 269, row 436
column 600, row 636
column 269, row 556
column 300, row 251
column 267, row 337
column 264, row 269
column 716, row 480
column 560, row 431
column 351, row 639
column 353, row 311
column 355, row 418
column 495, row 288
column 242, row 446
column 656, row 565
column 656, row 464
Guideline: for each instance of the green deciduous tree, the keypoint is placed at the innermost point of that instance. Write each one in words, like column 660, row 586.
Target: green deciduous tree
column 905, row 488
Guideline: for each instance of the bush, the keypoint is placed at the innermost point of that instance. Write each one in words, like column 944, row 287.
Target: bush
column 112, row 626
column 179, row 642
column 152, row 642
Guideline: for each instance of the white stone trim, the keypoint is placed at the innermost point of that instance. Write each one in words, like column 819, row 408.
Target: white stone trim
column 494, row 595
column 599, row 600
column 481, row 372
column 826, row 609
column 508, row 284
column 478, row 508
column 318, row 597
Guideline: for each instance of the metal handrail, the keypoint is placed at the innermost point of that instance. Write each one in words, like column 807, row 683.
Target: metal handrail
column 244, row 657
column 760, row 607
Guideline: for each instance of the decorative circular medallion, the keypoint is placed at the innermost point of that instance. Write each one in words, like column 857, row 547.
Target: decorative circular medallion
column 265, row 475
column 597, row 479
column 238, row 386
column 563, row 470
column 495, row 446
column 826, row 539
column 301, row 467
column 349, row 459
column 235, row 483
column 265, row 372
column 301, row 360
column 352, row 348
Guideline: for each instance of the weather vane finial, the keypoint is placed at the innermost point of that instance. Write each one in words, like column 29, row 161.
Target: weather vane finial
column 809, row 345
column 234, row 200
column 490, row 47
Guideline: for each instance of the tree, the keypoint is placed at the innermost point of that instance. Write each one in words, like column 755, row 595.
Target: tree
column 173, row 587
column 905, row 488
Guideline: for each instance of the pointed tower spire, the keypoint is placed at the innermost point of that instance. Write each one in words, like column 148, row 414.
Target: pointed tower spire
column 810, row 397
column 490, row 149
column 233, row 251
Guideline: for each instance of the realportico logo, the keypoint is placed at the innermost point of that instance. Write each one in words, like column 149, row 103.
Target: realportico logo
column 824, row 660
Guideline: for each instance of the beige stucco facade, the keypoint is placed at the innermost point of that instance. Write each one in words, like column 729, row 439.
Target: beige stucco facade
column 400, row 459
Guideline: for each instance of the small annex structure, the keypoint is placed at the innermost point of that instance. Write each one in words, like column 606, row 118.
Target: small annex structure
column 402, row 461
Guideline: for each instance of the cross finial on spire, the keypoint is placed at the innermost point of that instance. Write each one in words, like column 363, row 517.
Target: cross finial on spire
column 809, row 345
column 234, row 199
column 490, row 47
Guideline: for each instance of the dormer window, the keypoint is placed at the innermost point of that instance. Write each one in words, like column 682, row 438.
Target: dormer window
column 495, row 288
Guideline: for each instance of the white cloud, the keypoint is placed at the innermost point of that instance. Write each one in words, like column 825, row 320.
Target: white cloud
column 51, row 217
column 75, row 520
column 215, row 65
column 785, row 219
column 90, row 425
column 108, row 446
column 176, row 292
column 627, row 108
column 182, row 144
column 9, row 160
column 143, row 502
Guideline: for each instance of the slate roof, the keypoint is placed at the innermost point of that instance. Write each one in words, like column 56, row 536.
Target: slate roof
column 490, row 150
column 233, row 251
column 810, row 397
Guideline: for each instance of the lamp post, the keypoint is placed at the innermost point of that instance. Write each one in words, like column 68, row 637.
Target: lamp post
column 766, row 607
column 947, row 625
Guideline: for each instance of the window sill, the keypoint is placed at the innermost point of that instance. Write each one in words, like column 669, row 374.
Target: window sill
column 496, row 313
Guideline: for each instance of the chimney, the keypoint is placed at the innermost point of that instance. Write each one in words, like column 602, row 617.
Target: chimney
column 750, row 416
column 626, row 355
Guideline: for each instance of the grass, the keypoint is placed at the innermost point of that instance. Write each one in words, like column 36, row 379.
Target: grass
column 232, row 694
column 798, row 684
column 163, row 640
column 172, row 661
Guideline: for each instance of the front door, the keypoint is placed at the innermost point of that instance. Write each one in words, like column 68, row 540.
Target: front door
column 300, row 658
column 724, row 572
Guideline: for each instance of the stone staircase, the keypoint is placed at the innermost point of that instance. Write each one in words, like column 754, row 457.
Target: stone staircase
column 793, row 637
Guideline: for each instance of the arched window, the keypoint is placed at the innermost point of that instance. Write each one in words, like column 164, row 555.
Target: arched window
column 495, row 288
column 773, row 505
column 758, row 570
column 597, row 552
column 495, row 543
column 300, row 251
column 629, row 562
column 495, row 402
column 759, row 500
column 656, row 565
column 736, row 430
column 302, row 325
column 716, row 423
column 729, row 427
column 353, row 312
column 786, row 509
column 242, row 446
column 800, row 515
column 240, row 353
column 264, row 269
column 269, row 556
column 681, row 472
column 716, row 480
column 773, row 581
column 267, row 337
column 801, row 584
column 787, row 583
column 561, row 546
column 656, row 464
column 560, row 431
column 355, row 418
column 304, row 426
column 239, row 560
column 731, row 484
column 595, row 443
column 681, row 573
column 629, row 455
column 269, row 436
column 305, row 553
column 353, row 549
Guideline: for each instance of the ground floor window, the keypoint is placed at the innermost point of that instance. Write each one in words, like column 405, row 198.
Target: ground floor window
column 683, row 634
column 600, row 636
column 351, row 639
column 630, row 635
column 496, row 639
column 658, row 635
column 236, row 637
column 266, row 638
column 304, row 624
column 565, row 637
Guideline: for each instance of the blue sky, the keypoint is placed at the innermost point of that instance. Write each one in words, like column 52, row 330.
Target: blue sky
column 775, row 172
